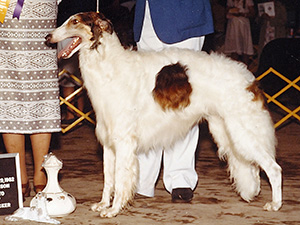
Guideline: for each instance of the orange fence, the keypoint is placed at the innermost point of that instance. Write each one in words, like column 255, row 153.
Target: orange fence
column 80, row 116
column 274, row 97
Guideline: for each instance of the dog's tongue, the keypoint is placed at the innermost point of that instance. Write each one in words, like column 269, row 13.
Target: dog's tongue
column 66, row 51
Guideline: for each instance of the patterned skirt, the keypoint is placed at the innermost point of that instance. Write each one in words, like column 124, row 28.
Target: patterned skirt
column 29, row 89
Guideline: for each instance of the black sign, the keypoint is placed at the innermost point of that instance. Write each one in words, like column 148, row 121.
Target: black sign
column 10, row 183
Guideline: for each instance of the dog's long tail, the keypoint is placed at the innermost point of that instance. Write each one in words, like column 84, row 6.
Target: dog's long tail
column 245, row 176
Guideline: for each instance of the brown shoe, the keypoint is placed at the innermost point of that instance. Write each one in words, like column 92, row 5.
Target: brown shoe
column 182, row 195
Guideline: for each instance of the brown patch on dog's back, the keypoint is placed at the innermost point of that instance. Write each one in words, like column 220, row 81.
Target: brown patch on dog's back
column 172, row 88
column 258, row 93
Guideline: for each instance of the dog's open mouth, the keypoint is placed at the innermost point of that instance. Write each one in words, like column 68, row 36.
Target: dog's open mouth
column 67, row 51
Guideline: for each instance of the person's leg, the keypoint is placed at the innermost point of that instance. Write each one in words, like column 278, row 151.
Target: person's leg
column 149, row 163
column 180, row 177
column 15, row 143
column 40, row 147
column 149, row 168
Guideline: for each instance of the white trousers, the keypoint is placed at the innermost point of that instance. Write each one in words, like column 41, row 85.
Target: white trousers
column 179, row 161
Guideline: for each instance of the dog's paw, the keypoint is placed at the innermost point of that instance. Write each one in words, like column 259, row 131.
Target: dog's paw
column 97, row 207
column 109, row 212
column 272, row 206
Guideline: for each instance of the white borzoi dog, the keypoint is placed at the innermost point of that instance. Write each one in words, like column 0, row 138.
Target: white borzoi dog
column 145, row 100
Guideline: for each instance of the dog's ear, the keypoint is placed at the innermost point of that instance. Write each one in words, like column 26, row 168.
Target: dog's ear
column 105, row 25
column 100, row 26
column 97, row 33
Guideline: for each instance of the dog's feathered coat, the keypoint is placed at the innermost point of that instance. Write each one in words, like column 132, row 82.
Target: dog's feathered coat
column 145, row 100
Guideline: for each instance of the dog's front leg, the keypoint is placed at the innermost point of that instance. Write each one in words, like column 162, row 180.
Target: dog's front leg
column 126, row 173
column 109, row 179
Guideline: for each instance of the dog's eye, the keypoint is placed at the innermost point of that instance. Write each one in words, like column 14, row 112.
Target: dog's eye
column 74, row 21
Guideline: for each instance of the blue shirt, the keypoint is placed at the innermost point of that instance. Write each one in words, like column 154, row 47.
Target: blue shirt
column 175, row 20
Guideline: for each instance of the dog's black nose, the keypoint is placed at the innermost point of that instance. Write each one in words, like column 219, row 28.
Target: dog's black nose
column 48, row 39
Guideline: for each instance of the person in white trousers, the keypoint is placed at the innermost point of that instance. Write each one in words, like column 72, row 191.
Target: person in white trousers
column 179, row 177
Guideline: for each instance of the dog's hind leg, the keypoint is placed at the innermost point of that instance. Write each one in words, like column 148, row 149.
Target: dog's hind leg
column 244, row 174
column 109, row 179
column 273, row 171
column 126, row 174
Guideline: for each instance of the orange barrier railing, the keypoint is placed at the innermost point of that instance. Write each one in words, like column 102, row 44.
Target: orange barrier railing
column 274, row 98
column 80, row 116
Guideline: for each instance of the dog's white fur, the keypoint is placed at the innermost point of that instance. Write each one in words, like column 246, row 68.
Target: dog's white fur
column 129, row 120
